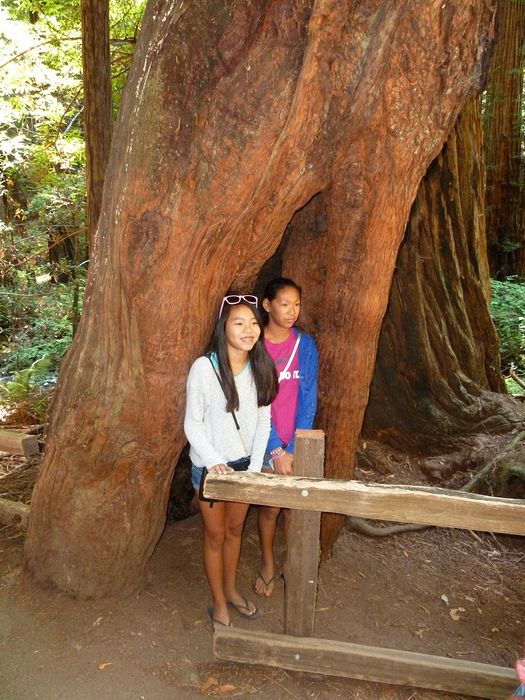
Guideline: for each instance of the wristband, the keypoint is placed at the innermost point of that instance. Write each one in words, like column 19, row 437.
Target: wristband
column 277, row 452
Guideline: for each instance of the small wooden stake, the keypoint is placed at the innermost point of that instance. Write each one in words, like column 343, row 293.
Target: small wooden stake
column 14, row 513
column 302, row 553
column 18, row 443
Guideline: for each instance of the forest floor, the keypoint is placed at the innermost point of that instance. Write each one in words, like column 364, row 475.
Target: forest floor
column 438, row 591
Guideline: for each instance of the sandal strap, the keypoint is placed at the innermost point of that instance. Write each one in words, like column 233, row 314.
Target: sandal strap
column 266, row 583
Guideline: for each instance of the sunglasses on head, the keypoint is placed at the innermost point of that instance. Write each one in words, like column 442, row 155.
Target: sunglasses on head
column 233, row 299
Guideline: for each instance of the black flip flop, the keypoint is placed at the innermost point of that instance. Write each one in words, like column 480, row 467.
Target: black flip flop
column 238, row 607
column 214, row 620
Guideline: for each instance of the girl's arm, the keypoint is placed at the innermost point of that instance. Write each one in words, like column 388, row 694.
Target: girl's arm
column 260, row 439
column 197, row 396
column 307, row 399
column 274, row 440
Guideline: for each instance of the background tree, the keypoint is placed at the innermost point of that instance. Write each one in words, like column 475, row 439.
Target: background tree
column 504, row 144
column 233, row 118
column 96, row 64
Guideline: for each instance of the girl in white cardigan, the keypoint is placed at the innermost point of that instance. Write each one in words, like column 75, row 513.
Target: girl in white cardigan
column 227, row 423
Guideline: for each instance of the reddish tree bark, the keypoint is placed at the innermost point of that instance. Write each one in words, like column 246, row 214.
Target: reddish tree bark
column 437, row 378
column 233, row 118
column 96, row 64
column 504, row 144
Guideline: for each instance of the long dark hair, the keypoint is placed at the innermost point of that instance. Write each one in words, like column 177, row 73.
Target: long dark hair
column 273, row 288
column 261, row 365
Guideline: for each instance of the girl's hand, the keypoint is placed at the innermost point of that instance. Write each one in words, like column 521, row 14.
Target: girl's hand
column 220, row 469
column 520, row 669
column 283, row 464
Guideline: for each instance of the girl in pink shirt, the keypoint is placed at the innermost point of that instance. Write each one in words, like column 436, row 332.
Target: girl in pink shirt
column 295, row 357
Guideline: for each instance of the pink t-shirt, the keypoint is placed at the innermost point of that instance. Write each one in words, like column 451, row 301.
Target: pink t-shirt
column 284, row 406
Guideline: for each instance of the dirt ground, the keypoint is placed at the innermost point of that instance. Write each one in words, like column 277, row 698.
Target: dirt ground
column 446, row 592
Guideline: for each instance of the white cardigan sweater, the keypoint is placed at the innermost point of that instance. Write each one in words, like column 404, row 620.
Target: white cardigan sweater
column 211, row 430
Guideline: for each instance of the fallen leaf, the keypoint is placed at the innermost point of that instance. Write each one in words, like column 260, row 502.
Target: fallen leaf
column 454, row 613
column 101, row 667
column 208, row 684
column 226, row 688
column 494, row 629
column 444, row 598
column 97, row 622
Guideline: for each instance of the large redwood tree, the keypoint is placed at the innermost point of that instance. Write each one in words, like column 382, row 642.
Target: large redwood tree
column 235, row 116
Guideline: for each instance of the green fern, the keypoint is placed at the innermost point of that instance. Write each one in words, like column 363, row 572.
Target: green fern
column 24, row 395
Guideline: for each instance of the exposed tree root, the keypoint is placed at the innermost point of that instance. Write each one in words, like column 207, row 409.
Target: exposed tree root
column 503, row 475
column 364, row 527
column 488, row 473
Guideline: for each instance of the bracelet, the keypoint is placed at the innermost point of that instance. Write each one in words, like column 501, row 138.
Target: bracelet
column 277, row 452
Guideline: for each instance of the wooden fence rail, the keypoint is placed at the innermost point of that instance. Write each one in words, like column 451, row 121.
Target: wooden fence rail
column 361, row 662
column 404, row 504
column 308, row 495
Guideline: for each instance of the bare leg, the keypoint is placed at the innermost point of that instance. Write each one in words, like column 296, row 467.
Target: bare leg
column 267, row 524
column 235, row 517
column 286, row 522
column 214, row 537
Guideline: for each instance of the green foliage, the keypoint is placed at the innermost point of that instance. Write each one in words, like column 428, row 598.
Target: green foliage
column 24, row 393
column 37, row 320
column 508, row 313
column 41, row 146
column 513, row 387
column 41, row 129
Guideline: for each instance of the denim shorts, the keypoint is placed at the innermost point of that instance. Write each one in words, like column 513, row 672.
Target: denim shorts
column 196, row 475
column 519, row 692
column 267, row 465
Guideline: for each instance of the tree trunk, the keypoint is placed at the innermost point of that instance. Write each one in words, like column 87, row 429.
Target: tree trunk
column 504, row 144
column 96, row 65
column 63, row 252
column 437, row 366
column 234, row 116
column 436, row 378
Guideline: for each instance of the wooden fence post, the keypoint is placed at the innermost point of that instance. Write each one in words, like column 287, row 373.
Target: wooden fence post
column 302, row 549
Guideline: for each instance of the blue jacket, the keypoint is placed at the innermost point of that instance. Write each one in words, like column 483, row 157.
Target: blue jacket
column 307, row 398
